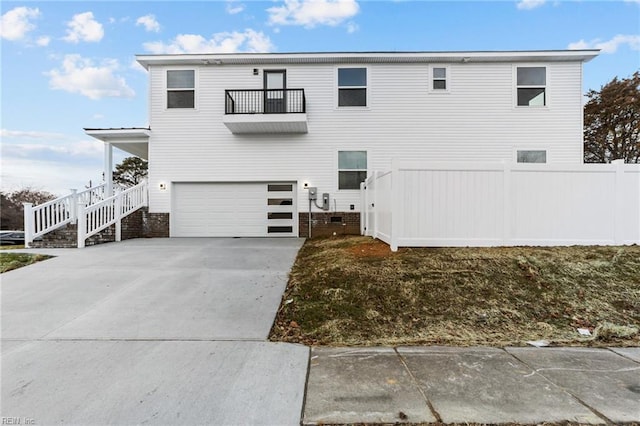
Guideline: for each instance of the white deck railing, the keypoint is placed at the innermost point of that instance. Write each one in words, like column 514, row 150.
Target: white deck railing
column 54, row 214
column 98, row 216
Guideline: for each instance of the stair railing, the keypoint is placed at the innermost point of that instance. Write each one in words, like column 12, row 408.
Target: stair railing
column 98, row 216
column 54, row 214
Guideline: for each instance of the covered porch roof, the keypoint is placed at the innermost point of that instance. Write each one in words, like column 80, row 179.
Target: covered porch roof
column 134, row 140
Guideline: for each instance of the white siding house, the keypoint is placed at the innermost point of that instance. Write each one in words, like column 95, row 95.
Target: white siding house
column 220, row 165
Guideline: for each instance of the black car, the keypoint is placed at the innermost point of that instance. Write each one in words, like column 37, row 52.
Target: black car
column 11, row 238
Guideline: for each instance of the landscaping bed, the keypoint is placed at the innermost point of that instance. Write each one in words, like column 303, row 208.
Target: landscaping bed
column 355, row 291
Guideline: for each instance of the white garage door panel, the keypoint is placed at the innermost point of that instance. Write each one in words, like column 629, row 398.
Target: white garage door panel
column 228, row 210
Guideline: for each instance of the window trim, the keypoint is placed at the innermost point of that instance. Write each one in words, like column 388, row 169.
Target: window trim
column 517, row 86
column 531, row 148
column 167, row 89
column 337, row 88
column 338, row 169
column 447, row 78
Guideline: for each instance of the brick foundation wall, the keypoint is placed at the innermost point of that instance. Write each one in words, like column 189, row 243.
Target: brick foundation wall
column 132, row 225
column 107, row 235
column 65, row 237
column 325, row 224
column 155, row 225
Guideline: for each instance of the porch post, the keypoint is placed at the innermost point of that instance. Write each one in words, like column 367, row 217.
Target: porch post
column 29, row 224
column 108, row 169
column 82, row 223
column 73, row 206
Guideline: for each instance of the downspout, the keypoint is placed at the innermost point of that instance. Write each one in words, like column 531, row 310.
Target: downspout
column 309, row 218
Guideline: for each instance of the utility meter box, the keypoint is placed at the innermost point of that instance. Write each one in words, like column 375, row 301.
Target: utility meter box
column 313, row 193
column 325, row 201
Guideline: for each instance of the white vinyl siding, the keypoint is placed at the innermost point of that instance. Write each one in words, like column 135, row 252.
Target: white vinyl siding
column 474, row 122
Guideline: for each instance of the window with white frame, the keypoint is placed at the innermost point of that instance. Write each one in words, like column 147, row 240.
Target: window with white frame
column 531, row 156
column 181, row 89
column 352, row 87
column 531, row 86
column 439, row 79
column 352, row 169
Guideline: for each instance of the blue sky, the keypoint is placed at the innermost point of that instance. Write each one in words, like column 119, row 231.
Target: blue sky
column 69, row 65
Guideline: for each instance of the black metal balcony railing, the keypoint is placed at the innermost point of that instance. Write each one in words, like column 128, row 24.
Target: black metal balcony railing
column 265, row 101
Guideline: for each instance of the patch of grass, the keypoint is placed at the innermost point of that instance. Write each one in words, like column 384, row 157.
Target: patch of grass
column 11, row 261
column 355, row 291
column 11, row 247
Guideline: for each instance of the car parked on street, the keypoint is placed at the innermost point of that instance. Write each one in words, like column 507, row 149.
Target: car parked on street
column 11, row 238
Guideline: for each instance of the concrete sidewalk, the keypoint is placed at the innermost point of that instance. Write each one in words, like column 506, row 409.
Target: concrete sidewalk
column 474, row 385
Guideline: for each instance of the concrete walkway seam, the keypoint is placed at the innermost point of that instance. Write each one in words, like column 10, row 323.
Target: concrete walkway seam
column 417, row 385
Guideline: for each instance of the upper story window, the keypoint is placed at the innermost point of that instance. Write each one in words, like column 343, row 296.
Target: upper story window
column 531, row 86
column 439, row 77
column 531, row 156
column 352, row 169
column 352, row 87
column 181, row 89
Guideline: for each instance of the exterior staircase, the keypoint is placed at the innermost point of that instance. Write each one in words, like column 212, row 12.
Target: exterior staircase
column 87, row 218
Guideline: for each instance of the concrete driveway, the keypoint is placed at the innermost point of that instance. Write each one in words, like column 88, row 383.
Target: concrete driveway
column 156, row 331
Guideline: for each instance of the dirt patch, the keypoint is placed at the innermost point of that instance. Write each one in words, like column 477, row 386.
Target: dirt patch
column 372, row 248
column 355, row 291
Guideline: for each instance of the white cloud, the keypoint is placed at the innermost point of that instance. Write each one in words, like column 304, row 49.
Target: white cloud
column 233, row 7
column 16, row 23
column 43, row 41
column 529, row 4
column 83, row 27
column 608, row 46
column 79, row 75
column 97, row 116
column 149, row 22
column 352, row 27
column 50, row 161
column 29, row 134
column 51, row 150
column 247, row 41
column 310, row 13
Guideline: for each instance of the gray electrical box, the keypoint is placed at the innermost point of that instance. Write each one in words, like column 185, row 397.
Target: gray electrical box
column 325, row 201
column 313, row 193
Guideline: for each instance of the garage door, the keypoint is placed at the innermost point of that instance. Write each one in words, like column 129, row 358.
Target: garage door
column 234, row 209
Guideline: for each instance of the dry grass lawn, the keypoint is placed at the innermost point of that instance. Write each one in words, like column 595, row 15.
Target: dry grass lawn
column 355, row 291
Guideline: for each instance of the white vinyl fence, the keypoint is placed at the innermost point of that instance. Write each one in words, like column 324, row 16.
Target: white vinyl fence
column 478, row 204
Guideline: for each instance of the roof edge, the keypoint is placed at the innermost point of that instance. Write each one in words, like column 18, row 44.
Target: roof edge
column 213, row 59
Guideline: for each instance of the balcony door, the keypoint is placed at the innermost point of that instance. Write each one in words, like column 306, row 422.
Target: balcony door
column 275, row 94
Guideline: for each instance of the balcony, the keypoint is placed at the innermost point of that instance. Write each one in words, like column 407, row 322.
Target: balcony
column 265, row 111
